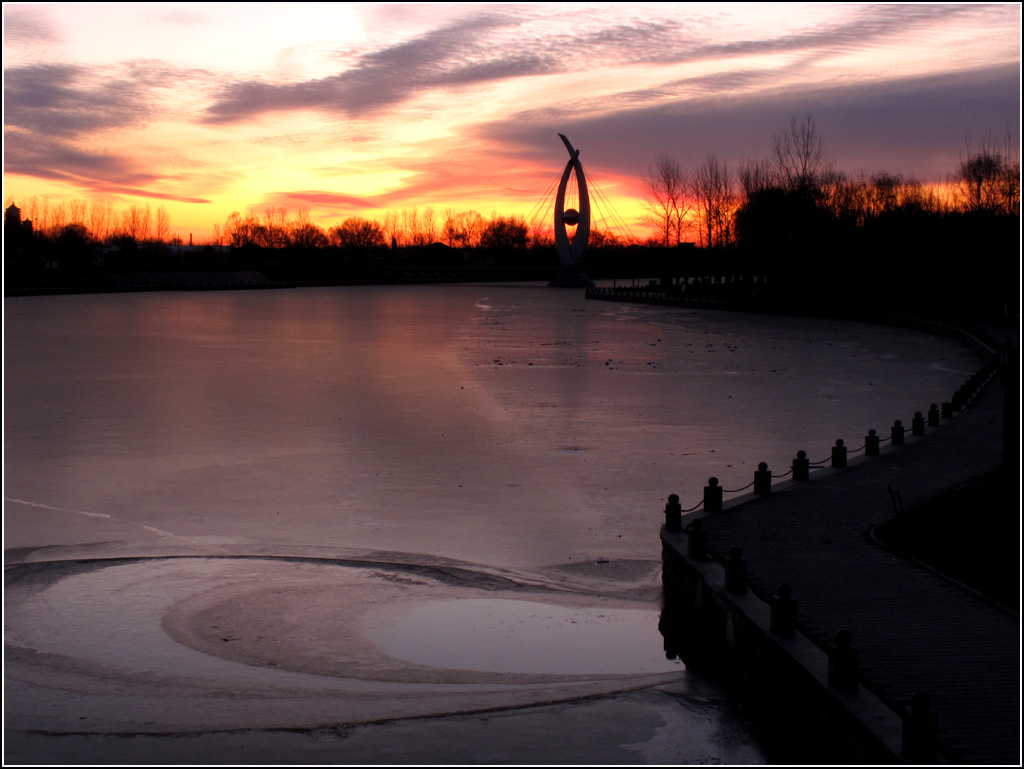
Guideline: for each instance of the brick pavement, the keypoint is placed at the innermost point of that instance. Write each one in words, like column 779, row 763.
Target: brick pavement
column 916, row 631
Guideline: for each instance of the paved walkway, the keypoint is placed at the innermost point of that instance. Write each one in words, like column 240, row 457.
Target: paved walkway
column 915, row 630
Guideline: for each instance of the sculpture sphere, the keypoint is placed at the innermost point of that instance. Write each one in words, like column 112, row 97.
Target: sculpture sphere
column 571, row 217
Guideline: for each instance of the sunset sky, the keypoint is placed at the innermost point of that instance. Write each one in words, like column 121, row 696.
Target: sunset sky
column 357, row 109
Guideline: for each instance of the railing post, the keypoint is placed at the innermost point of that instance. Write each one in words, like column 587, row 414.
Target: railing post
column 839, row 454
column 917, row 424
column 713, row 496
column 736, row 572
column 697, row 540
column 958, row 400
column 762, row 479
column 871, row 443
column 801, row 467
column 783, row 616
column 897, row 433
column 933, row 416
column 843, row 662
column 947, row 410
column 673, row 514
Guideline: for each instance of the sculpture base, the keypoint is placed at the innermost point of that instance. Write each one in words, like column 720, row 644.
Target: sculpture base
column 571, row 279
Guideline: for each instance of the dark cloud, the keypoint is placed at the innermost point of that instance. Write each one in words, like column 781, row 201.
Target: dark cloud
column 672, row 39
column 501, row 45
column 719, row 84
column 52, row 111
column 102, row 188
column 101, row 173
column 918, row 126
column 663, row 40
column 869, row 25
column 468, row 52
column 72, row 101
column 67, row 101
column 451, row 56
column 914, row 126
column 49, row 158
column 317, row 199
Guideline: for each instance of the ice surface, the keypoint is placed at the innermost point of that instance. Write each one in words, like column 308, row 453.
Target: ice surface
column 509, row 426
column 299, row 508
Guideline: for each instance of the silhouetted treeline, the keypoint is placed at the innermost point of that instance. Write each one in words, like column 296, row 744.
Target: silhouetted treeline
column 812, row 231
column 791, row 221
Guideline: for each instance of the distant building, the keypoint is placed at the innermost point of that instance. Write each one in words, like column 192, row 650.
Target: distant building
column 16, row 230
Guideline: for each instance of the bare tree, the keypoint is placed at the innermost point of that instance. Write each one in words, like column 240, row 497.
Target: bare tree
column 799, row 155
column 418, row 226
column 714, row 202
column 428, row 227
column 242, row 231
column 664, row 189
column 450, row 229
column 755, row 176
column 848, row 200
column 505, row 233
column 304, row 234
column 471, row 225
column 357, row 233
column 275, row 224
column 163, row 224
column 232, row 229
column 603, row 239
column 392, row 227
column 101, row 216
column 57, row 220
column 463, row 229
column 542, row 235
column 884, row 193
column 135, row 222
column 77, row 210
column 29, row 208
column 988, row 181
column 411, row 225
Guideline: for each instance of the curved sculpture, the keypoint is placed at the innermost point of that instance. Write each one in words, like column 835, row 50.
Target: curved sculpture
column 570, row 252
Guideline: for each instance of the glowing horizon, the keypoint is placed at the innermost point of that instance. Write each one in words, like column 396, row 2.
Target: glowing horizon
column 357, row 110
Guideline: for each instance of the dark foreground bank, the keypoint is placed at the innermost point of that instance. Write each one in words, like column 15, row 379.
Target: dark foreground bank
column 971, row 535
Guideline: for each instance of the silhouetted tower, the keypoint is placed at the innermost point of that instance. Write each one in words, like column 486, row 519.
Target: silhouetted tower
column 570, row 252
column 12, row 218
column 15, row 229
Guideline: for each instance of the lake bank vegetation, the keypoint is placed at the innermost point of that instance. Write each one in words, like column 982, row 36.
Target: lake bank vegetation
column 791, row 217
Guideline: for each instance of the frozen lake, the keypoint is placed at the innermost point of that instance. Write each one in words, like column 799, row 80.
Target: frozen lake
column 483, row 467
